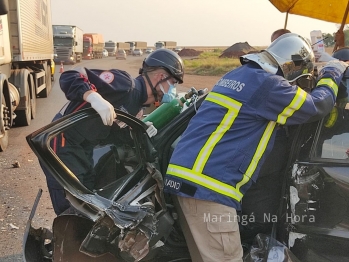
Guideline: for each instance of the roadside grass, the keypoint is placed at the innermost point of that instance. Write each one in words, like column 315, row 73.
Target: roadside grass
column 209, row 64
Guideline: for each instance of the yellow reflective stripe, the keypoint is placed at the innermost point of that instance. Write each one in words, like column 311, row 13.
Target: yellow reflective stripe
column 263, row 143
column 205, row 181
column 295, row 104
column 233, row 107
column 332, row 118
column 330, row 83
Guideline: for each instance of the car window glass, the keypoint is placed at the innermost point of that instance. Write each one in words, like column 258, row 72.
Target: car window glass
column 333, row 142
column 106, row 158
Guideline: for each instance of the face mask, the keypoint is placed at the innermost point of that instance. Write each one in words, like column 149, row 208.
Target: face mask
column 170, row 95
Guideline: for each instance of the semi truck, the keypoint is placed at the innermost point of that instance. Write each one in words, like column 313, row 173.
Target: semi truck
column 26, row 54
column 166, row 44
column 68, row 44
column 93, row 46
column 111, row 47
column 137, row 45
column 124, row 46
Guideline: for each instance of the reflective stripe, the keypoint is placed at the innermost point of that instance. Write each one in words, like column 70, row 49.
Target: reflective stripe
column 196, row 175
column 205, row 181
column 263, row 143
column 330, row 83
column 332, row 119
column 233, row 107
column 295, row 104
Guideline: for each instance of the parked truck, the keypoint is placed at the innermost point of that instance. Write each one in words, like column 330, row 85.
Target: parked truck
column 68, row 44
column 166, row 44
column 137, row 45
column 93, row 46
column 111, row 47
column 124, row 46
column 26, row 53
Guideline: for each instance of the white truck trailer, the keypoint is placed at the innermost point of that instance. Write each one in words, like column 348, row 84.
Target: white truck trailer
column 26, row 53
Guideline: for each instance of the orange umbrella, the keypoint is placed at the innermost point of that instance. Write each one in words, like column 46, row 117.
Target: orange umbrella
column 335, row 11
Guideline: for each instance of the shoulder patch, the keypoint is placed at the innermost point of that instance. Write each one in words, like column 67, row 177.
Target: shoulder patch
column 107, row 76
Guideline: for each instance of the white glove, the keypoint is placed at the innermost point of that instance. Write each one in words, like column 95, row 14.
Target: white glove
column 151, row 130
column 340, row 65
column 103, row 108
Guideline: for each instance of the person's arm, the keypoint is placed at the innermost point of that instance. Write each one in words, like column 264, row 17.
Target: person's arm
column 290, row 105
column 75, row 85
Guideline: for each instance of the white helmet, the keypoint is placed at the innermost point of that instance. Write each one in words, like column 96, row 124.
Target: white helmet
column 289, row 52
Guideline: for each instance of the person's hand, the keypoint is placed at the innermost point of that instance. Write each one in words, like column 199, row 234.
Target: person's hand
column 340, row 65
column 103, row 108
column 151, row 130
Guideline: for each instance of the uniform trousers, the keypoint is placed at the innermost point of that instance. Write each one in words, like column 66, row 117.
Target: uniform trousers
column 214, row 229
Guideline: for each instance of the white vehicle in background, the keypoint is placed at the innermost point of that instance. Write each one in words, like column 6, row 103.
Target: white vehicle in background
column 105, row 53
column 178, row 49
column 149, row 50
column 137, row 52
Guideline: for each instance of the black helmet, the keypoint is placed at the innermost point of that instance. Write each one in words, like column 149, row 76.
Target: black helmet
column 166, row 59
column 342, row 54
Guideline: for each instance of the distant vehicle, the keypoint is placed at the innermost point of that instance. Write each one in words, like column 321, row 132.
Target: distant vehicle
column 105, row 53
column 137, row 45
column 111, row 47
column 124, row 46
column 93, row 46
column 166, row 44
column 138, row 52
column 149, row 50
column 121, row 54
column 178, row 49
column 68, row 44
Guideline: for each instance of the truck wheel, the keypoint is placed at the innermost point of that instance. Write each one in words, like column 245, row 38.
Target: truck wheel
column 32, row 96
column 4, row 131
column 23, row 117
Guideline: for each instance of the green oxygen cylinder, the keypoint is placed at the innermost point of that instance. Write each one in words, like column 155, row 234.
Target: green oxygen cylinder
column 165, row 113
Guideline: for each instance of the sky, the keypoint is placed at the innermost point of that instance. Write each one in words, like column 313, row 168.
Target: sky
column 189, row 22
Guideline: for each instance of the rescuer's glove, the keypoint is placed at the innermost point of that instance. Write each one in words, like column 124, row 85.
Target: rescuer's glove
column 340, row 65
column 151, row 130
column 103, row 108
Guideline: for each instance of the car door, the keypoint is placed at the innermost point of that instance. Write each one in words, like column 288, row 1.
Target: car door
column 315, row 212
column 108, row 150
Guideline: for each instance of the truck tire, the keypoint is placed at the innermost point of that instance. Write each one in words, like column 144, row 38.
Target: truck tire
column 23, row 117
column 4, row 133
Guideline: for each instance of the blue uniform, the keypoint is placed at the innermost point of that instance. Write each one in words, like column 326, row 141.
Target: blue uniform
column 226, row 142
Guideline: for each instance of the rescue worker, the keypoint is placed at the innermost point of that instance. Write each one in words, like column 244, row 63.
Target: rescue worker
column 105, row 90
column 261, row 201
column 225, row 144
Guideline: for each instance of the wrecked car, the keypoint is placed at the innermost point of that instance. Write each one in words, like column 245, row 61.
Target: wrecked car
column 127, row 217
